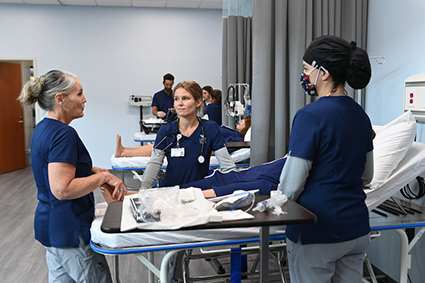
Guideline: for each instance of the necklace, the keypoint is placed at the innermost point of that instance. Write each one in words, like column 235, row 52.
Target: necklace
column 334, row 90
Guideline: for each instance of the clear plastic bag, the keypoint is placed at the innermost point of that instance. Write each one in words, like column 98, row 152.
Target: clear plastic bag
column 173, row 208
column 157, row 204
column 275, row 203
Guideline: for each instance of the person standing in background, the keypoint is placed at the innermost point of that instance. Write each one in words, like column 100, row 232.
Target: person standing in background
column 163, row 101
column 213, row 108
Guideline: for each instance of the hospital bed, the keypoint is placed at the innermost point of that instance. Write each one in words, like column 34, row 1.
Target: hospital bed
column 211, row 234
column 398, row 160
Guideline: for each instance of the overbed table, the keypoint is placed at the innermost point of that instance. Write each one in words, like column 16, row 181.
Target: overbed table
column 295, row 215
column 241, row 144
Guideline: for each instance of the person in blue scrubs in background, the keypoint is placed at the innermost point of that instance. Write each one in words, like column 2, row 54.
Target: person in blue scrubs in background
column 329, row 158
column 162, row 102
column 206, row 95
column 187, row 142
column 213, row 107
column 65, row 180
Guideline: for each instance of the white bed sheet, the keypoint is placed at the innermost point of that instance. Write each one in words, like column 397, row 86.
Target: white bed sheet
column 411, row 166
column 142, row 161
column 141, row 136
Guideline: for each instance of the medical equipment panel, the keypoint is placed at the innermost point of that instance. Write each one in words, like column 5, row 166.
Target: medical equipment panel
column 414, row 96
column 140, row 100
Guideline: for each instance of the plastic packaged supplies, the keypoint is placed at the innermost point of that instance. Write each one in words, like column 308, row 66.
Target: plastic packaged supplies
column 168, row 208
column 237, row 200
column 274, row 203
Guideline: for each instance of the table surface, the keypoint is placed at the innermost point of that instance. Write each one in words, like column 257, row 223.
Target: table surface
column 241, row 144
column 296, row 214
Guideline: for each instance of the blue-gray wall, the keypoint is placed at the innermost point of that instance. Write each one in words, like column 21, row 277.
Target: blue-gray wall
column 115, row 52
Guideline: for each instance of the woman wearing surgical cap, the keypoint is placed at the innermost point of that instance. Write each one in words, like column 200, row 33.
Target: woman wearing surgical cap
column 329, row 158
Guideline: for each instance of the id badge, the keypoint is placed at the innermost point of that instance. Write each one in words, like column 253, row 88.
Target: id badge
column 177, row 152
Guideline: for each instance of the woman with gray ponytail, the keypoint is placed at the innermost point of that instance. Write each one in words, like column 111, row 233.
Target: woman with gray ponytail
column 65, row 180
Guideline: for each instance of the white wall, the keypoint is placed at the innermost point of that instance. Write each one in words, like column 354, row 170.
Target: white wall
column 115, row 52
column 395, row 31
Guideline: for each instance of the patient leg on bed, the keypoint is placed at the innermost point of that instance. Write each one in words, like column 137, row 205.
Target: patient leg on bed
column 121, row 151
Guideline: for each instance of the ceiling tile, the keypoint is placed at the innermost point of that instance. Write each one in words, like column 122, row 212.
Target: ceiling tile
column 183, row 4
column 12, row 1
column 78, row 2
column 149, row 3
column 43, row 2
column 115, row 3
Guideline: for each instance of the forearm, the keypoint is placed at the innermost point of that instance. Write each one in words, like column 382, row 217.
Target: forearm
column 77, row 187
column 154, row 110
column 64, row 185
column 209, row 193
column 107, row 192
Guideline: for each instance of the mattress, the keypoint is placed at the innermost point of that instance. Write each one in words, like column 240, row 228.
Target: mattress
column 123, row 240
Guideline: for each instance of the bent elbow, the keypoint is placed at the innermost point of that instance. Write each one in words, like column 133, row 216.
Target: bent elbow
column 59, row 194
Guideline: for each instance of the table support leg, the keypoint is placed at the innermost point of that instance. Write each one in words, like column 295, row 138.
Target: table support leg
column 151, row 277
column 264, row 254
column 116, row 269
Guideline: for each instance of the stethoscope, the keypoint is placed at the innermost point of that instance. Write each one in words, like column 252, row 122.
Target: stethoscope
column 201, row 158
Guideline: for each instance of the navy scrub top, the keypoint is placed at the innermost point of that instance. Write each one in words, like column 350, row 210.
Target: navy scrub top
column 59, row 223
column 336, row 134
column 181, row 170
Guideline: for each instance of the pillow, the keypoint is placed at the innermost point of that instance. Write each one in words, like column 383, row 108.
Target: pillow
column 390, row 146
column 247, row 136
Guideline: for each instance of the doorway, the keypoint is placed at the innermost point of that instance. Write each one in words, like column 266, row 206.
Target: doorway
column 26, row 69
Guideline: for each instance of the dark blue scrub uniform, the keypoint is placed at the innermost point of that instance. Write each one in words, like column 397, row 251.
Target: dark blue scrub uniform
column 181, row 170
column 58, row 223
column 336, row 134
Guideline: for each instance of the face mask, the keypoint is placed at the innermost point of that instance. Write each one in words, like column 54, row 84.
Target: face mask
column 309, row 88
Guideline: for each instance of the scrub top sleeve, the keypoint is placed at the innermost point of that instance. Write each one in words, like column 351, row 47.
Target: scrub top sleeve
column 64, row 147
column 155, row 101
column 264, row 186
column 305, row 136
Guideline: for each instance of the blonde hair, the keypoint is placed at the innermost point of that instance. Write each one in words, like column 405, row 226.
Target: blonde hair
column 44, row 89
column 192, row 87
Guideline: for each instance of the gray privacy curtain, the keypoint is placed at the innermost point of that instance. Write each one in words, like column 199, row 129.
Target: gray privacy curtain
column 281, row 31
column 236, row 56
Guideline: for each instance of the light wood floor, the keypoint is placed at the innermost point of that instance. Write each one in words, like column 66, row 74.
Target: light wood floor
column 22, row 258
